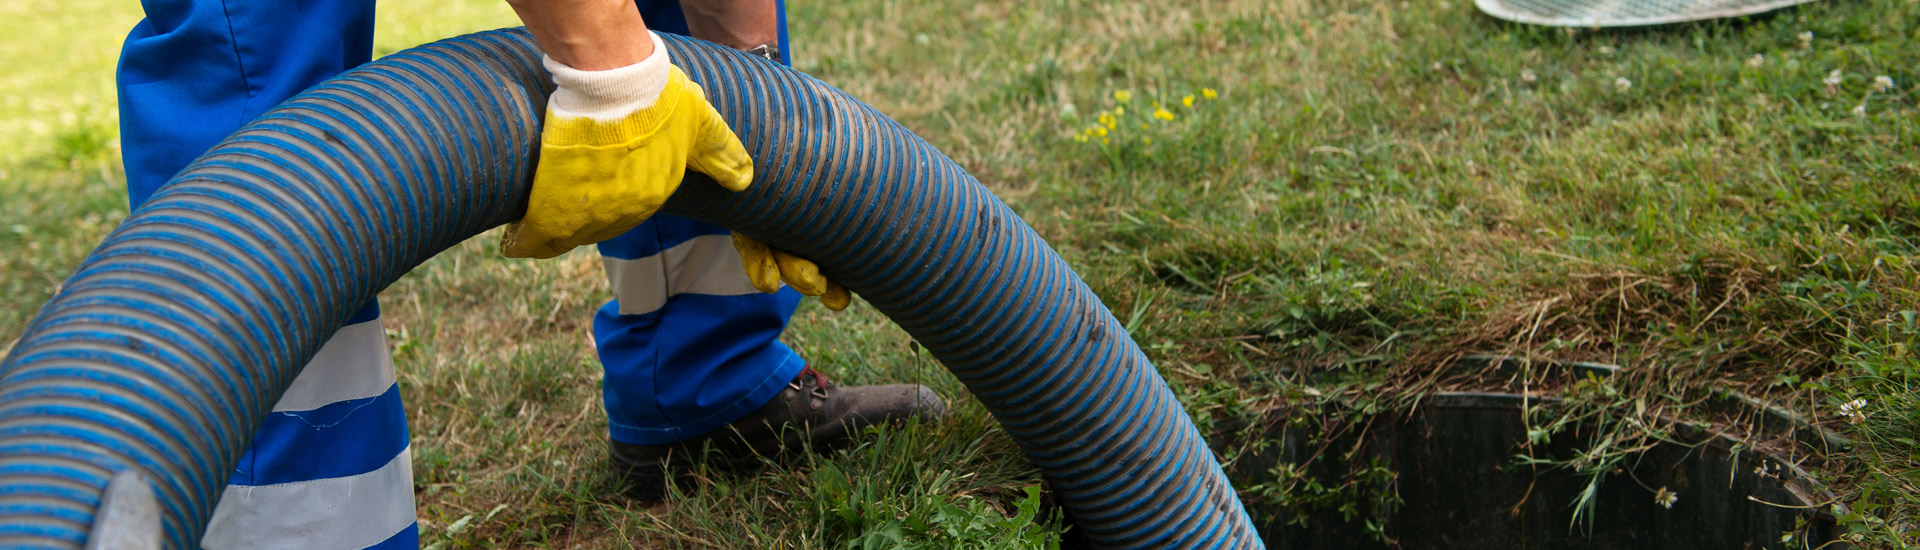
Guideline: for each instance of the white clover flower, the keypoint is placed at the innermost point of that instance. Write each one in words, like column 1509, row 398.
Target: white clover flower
column 1833, row 78
column 1437, row 66
column 1756, row 61
column 1606, row 50
column 1854, row 410
column 1665, row 498
column 1526, row 75
column 1860, row 110
column 1882, row 83
column 1806, row 39
column 1622, row 84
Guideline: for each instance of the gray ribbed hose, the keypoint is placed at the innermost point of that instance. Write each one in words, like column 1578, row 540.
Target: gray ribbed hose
column 168, row 347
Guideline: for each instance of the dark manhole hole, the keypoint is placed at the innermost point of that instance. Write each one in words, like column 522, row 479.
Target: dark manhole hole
column 1460, row 486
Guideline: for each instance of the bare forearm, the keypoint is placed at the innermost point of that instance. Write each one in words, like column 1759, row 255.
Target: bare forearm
column 589, row 35
column 741, row 24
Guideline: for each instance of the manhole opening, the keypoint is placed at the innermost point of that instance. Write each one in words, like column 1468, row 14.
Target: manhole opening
column 1450, row 476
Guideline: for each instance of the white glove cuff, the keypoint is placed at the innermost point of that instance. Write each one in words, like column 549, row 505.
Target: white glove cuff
column 609, row 95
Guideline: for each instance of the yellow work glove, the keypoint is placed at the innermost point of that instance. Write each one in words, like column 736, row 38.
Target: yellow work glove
column 766, row 267
column 616, row 144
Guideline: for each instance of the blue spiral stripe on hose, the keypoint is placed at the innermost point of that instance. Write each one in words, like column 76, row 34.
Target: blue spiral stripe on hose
column 199, row 413
column 168, row 347
column 69, row 493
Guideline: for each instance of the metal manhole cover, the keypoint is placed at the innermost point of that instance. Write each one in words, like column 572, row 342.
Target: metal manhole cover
column 1624, row 13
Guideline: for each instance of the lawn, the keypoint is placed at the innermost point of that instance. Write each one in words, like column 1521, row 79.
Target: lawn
column 1319, row 206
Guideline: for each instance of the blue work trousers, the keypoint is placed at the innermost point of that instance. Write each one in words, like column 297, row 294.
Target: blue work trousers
column 687, row 345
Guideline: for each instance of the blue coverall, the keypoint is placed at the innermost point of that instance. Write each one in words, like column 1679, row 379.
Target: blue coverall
column 687, row 343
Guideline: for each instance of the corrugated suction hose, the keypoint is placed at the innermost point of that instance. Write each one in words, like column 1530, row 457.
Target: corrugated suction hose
column 171, row 343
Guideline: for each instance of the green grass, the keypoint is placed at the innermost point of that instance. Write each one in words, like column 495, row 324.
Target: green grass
column 1385, row 185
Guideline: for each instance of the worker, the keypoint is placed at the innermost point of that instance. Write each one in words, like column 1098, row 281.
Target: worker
column 689, row 342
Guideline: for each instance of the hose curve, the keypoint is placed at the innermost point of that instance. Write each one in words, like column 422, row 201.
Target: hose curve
column 170, row 344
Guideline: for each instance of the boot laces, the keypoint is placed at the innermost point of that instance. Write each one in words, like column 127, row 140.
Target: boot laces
column 820, row 382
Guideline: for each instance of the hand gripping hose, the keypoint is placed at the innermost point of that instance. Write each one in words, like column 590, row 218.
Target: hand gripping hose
column 170, row 344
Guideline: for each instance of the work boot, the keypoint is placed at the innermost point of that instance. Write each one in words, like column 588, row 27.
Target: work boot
column 811, row 412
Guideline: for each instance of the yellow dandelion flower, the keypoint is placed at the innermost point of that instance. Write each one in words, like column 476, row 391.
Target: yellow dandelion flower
column 1149, row 141
column 1104, row 141
column 1101, row 133
column 1106, row 120
column 1123, row 96
column 1144, row 125
column 1209, row 93
column 1162, row 114
column 1120, row 111
column 1082, row 138
column 1187, row 101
